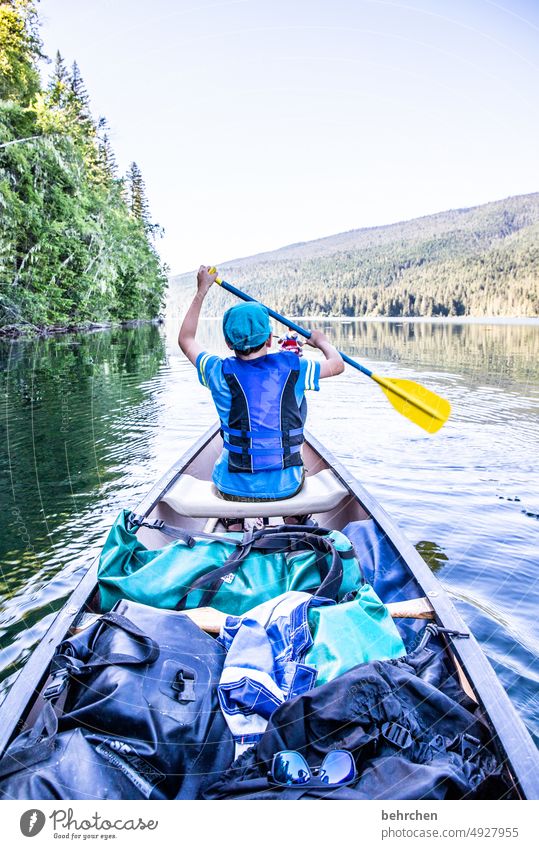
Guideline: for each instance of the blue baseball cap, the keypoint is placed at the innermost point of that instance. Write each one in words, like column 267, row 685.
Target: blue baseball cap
column 246, row 326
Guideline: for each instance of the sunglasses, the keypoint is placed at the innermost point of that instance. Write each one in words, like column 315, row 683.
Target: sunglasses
column 291, row 768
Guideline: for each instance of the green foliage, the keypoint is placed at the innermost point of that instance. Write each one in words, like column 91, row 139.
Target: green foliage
column 473, row 262
column 19, row 49
column 72, row 249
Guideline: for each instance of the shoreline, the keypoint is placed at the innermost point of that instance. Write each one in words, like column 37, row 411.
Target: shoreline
column 449, row 319
column 16, row 331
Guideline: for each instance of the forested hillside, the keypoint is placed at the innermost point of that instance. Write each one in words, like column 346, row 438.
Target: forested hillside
column 76, row 240
column 482, row 261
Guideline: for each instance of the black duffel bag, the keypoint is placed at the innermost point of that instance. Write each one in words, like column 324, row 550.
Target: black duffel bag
column 74, row 765
column 141, row 688
column 409, row 740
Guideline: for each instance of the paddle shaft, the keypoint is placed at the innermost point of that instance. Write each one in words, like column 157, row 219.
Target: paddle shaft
column 290, row 324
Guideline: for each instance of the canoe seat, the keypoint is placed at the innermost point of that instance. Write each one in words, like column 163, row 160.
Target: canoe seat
column 199, row 498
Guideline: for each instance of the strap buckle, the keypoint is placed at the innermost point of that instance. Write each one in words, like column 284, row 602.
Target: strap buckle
column 468, row 746
column 397, row 734
column 184, row 685
column 57, row 684
column 135, row 519
column 138, row 519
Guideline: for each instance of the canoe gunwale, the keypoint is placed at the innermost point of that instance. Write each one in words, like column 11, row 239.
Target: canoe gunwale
column 510, row 734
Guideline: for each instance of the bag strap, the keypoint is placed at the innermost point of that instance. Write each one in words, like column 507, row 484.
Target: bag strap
column 171, row 531
column 37, row 746
column 65, row 659
column 284, row 538
column 137, row 521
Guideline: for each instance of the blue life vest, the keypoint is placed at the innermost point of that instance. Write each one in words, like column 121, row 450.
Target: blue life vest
column 264, row 430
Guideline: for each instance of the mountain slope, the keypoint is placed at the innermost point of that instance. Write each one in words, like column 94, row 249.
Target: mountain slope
column 470, row 262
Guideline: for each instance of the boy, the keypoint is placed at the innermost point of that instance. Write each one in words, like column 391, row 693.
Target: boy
column 259, row 398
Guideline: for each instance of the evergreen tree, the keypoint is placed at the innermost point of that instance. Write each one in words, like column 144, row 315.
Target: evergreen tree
column 79, row 92
column 59, row 84
column 107, row 158
column 80, row 102
column 137, row 194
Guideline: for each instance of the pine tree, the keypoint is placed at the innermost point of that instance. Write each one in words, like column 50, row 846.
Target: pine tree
column 107, row 159
column 79, row 100
column 138, row 202
column 59, row 84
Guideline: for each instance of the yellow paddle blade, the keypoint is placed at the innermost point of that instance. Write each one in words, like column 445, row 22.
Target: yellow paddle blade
column 418, row 404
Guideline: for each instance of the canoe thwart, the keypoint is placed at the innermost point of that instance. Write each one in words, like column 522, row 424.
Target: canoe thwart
column 414, row 608
column 211, row 620
column 207, row 618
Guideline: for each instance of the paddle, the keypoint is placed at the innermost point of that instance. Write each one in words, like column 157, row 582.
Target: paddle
column 410, row 399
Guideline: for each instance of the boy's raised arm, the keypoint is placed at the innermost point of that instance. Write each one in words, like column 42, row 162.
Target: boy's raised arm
column 333, row 364
column 186, row 337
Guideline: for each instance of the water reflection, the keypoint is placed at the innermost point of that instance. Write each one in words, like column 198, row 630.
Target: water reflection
column 432, row 554
column 498, row 352
column 64, row 399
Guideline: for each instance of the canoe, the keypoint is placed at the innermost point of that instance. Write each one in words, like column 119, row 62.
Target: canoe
column 184, row 497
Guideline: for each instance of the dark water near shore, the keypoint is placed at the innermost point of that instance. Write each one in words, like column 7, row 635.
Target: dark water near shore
column 89, row 421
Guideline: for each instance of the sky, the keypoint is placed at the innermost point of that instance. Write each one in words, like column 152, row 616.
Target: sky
column 259, row 123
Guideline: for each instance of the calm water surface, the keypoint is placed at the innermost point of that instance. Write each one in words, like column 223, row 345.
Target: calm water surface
column 89, row 421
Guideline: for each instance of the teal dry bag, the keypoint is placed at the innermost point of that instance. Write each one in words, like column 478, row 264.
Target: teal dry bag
column 345, row 635
column 232, row 573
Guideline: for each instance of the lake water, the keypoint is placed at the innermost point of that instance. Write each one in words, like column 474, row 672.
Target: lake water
column 90, row 421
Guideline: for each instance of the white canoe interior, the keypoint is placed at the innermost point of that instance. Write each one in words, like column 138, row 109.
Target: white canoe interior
column 193, row 501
